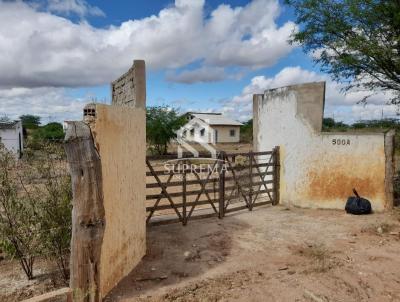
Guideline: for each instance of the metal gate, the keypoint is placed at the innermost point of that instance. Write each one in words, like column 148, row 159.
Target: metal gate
column 178, row 190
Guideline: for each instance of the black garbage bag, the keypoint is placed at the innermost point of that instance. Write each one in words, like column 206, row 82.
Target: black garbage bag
column 358, row 205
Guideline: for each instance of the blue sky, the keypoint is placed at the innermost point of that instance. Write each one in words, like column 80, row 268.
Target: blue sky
column 199, row 95
column 200, row 55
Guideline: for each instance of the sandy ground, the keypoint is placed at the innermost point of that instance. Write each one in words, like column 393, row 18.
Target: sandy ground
column 270, row 254
column 14, row 286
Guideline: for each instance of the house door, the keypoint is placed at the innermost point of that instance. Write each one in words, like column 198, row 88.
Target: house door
column 216, row 135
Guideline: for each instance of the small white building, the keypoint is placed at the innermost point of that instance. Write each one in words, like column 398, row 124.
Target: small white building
column 210, row 128
column 11, row 136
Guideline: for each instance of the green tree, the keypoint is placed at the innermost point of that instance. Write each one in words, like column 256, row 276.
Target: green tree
column 329, row 124
column 51, row 131
column 246, row 132
column 161, row 124
column 356, row 41
column 30, row 121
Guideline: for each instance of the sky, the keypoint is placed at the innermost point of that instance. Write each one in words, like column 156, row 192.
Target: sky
column 201, row 55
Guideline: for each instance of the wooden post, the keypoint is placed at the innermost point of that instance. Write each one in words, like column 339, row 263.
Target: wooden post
column 87, row 214
column 221, row 211
column 251, row 181
column 184, row 214
column 276, row 175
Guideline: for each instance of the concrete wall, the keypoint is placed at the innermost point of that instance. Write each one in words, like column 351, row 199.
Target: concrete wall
column 120, row 137
column 10, row 138
column 224, row 134
column 130, row 88
column 318, row 169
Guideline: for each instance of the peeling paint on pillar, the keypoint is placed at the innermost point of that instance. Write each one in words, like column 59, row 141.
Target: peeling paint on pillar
column 319, row 169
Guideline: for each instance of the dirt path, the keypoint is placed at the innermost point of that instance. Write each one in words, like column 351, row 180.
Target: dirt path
column 271, row 254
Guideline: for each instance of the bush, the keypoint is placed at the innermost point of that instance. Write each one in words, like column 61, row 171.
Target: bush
column 246, row 132
column 35, row 208
column 55, row 206
column 18, row 217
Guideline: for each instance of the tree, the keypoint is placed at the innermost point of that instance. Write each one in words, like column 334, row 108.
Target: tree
column 5, row 119
column 329, row 124
column 30, row 121
column 246, row 132
column 356, row 41
column 161, row 124
column 51, row 131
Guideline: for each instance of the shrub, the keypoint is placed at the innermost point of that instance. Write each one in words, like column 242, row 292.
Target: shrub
column 18, row 217
column 35, row 208
column 52, row 186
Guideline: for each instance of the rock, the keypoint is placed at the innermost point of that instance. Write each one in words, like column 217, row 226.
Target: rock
column 379, row 230
column 186, row 254
column 312, row 296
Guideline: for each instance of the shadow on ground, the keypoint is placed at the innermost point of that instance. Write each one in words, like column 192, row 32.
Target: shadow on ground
column 176, row 253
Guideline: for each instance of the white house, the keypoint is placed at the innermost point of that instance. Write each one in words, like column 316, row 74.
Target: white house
column 210, row 128
column 11, row 136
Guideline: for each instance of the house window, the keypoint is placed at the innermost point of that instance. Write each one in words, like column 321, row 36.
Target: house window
column 202, row 131
column 191, row 132
column 232, row 132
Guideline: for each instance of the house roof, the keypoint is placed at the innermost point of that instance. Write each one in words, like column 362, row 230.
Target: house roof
column 8, row 125
column 216, row 119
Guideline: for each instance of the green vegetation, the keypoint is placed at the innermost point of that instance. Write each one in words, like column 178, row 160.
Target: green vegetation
column 18, row 230
column 329, row 124
column 355, row 41
column 51, row 131
column 37, row 138
column 30, row 121
column 246, row 132
column 161, row 124
column 35, row 208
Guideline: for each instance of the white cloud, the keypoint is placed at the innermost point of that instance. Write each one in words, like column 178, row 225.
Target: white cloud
column 341, row 106
column 51, row 104
column 79, row 7
column 41, row 49
column 201, row 75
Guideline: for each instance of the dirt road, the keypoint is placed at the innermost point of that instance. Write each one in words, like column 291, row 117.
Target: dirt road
column 270, row 254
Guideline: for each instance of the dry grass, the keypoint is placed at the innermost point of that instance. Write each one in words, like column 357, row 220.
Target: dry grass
column 379, row 228
column 320, row 256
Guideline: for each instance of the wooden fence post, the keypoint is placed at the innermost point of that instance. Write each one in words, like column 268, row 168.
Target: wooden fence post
column 88, row 212
column 221, row 168
column 251, row 181
column 276, row 175
column 184, row 214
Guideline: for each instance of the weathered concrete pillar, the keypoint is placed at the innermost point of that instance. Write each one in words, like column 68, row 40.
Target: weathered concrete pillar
column 130, row 88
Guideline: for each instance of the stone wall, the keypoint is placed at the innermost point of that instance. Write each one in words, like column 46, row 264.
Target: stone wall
column 319, row 169
column 130, row 88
